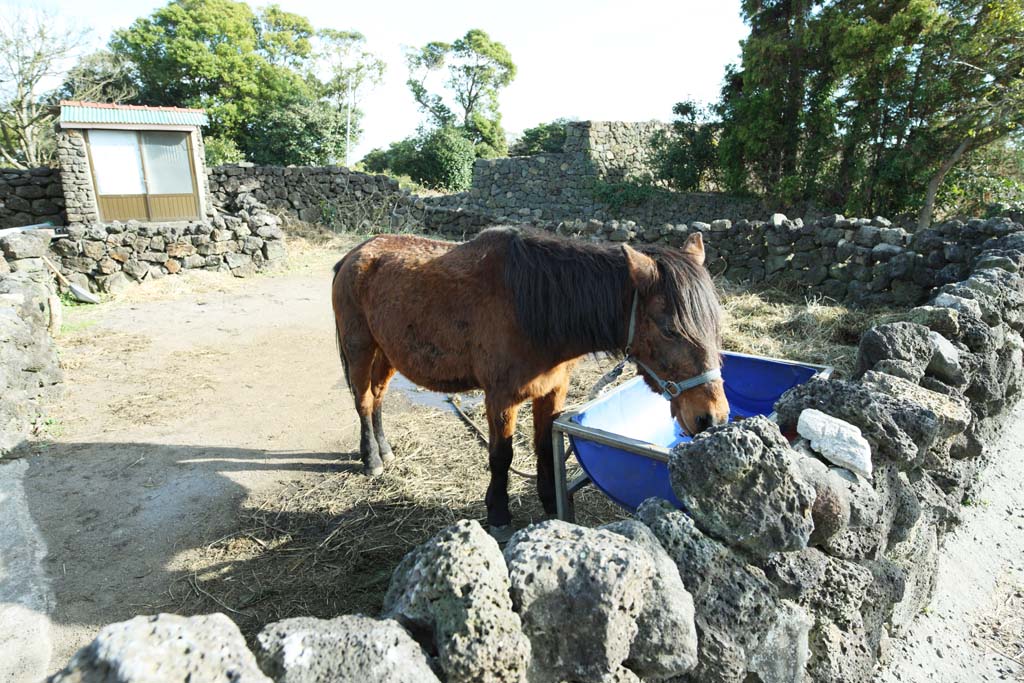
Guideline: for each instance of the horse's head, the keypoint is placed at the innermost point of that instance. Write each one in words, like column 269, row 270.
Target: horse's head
column 678, row 330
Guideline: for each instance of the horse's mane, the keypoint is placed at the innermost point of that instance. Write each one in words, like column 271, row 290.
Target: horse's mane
column 569, row 292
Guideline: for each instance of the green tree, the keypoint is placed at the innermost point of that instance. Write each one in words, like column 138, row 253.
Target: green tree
column 987, row 177
column 477, row 69
column 99, row 76
column 352, row 71
column 763, row 103
column 248, row 70
column 206, row 53
column 544, row 137
column 305, row 132
column 869, row 106
column 688, row 157
column 221, row 151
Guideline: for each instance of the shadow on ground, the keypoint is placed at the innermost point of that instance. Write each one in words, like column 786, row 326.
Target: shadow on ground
column 139, row 528
column 121, row 520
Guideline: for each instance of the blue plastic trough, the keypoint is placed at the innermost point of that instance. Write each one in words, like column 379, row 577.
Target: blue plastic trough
column 622, row 440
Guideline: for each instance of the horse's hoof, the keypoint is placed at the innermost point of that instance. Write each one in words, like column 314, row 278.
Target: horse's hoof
column 387, row 457
column 501, row 534
column 373, row 471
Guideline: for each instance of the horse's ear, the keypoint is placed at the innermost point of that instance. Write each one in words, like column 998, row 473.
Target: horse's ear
column 694, row 246
column 643, row 271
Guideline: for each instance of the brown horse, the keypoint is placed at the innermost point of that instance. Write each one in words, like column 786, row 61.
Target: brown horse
column 511, row 312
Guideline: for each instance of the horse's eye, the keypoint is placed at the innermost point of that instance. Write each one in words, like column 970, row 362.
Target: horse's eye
column 672, row 334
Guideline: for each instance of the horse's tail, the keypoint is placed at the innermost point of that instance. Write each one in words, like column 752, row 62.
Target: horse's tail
column 337, row 329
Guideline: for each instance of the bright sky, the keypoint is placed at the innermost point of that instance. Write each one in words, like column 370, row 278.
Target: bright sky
column 582, row 59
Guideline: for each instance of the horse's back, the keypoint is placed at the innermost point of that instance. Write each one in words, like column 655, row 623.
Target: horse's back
column 434, row 308
column 402, row 256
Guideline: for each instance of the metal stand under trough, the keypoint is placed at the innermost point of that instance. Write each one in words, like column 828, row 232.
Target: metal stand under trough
column 561, row 429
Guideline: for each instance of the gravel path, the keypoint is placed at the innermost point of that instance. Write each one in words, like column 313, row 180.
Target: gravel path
column 973, row 629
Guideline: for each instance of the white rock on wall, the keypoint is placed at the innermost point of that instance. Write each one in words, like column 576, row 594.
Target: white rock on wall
column 836, row 440
column 945, row 362
column 958, row 303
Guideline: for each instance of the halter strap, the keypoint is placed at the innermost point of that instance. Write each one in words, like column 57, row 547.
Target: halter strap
column 632, row 324
column 669, row 389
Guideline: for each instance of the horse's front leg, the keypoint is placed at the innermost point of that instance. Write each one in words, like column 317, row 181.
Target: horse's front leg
column 545, row 409
column 501, row 419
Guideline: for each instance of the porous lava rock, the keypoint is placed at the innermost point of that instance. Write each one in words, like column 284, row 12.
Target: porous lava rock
column 452, row 593
column 666, row 639
column 744, row 626
column 901, row 348
column 347, row 649
column 897, row 429
column 164, row 647
column 741, row 484
column 581, row 593
column 831, row 510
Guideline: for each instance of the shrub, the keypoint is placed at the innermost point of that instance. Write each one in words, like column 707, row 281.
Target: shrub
column 629, row 193
column 440, row 159
column 446, row 160
column 544, row 137
column 688, row 158
column 221, row 151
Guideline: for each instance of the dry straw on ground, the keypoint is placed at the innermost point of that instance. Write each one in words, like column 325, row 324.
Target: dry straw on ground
column 329, row 545
column 773, row 323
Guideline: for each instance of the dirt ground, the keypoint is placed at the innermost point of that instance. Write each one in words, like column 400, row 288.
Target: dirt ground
column 182, row 400
column 203, row 455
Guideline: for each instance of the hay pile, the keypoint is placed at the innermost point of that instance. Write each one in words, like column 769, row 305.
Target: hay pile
column 773, row 323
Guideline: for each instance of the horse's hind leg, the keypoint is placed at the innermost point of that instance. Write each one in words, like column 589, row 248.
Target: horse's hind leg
column 382, row 373
column 360, row 352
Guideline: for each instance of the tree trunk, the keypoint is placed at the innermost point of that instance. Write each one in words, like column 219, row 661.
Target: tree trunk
column 924, row 218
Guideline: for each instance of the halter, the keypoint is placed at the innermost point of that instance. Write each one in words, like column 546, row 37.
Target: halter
column 669, row 389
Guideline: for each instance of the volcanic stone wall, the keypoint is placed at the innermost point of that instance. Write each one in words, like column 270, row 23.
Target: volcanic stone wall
column 30, row 196
column 107, row 257
column 541, row 187
column 29, row 315
column 560, row 186
column 863, row 260
column 331, row 195
column 790, row 564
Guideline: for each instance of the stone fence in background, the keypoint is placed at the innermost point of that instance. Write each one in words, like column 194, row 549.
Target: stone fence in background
column 862, row 260
column 333, row 196
column 793, row 562
column 107, row 257
column 30, row 314
column 561, row 186
column 29, row 197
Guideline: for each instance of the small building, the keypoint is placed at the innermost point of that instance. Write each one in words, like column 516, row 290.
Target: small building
column 127, row 162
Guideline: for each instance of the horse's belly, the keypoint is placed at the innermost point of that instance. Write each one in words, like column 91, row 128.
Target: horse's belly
column 435, row 363
column 437, row 377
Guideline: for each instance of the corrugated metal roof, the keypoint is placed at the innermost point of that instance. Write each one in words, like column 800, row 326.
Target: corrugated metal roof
column 95, row 112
